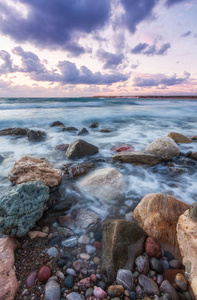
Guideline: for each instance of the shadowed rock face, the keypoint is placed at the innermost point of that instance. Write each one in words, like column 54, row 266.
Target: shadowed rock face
column 122, row 242
column 22, row 207
column 14, row 131
column 79, row 149
column 138, row 157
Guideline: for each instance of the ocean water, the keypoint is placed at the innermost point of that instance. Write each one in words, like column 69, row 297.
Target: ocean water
column 136, row 122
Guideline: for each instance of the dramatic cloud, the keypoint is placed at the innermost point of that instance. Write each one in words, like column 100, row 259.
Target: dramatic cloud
column 186, row 34
column 7, row 65
column 111, row 61
column 172, row 2
column 139, row 48
column 145, row 49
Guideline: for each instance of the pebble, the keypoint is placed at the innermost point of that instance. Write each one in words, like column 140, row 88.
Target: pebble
column 175, row 264
column 167, row 287
column 125, row 278
column 53, row 252
column 84, row 256
column 152, row 248
column 132, row 295
column 101, row 284
column 44, row 273
column 84, row 282
column 156, row 265
column 138, row 291
column 60, row 275
column 52, row 291
column 71, row 271
column 97, row 236
column 84, row 240
column 97, row 260
column 97, row 245
column 45, row 229
column 148, row 285
column 93, row 277
column 99, row 293
column 142, row 264
column 168, row 255
column 75, row 296
column 62, row 262
column 89, row 292
column 77, row 265
column 166, row 296
column 31, row 278
column 164, row 263
column 159, row 279
column 181, row 281
column 136, row 274
column 84, row 272
column 55, row 241
column 69, row 281
column 70, row 242
column 115, row 290
column 90, row 249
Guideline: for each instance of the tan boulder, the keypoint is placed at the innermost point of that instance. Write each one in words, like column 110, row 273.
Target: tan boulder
column 138, row 157
column 30, row 168
column 8, row 281
column 164, row 147
column 106, row 184
column 179, row 138
column 157, row 214
column 187, row 240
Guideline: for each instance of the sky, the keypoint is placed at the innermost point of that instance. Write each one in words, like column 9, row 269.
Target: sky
column 78, row 48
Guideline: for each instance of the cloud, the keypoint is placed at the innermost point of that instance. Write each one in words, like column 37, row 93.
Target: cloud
column 111, row 60
column 146, row 49
column 53, row 24
column 159, row 80
column 186, row 34
column 7, row 65
column 173, row 2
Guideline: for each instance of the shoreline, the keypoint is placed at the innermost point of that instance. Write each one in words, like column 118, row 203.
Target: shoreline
column 146, row 97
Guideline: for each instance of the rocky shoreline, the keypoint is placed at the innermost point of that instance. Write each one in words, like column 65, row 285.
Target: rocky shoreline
column 49, row 251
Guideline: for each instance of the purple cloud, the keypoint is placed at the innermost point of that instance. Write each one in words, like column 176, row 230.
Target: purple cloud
column 173, row 2
column 111, row 60
column 139, row 48
column 7, row 65
column 163, row 49
column 186, row 34
column 145, row 49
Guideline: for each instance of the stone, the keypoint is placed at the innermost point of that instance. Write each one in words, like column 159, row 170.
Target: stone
column 14, row 131
column 57, row 124
column 159, row 279
column 193, row 156
column 71, row 271
column 156, row 265
column 77, row 265
column 84, row 256
column 31, row 168
column 36, row 135
column 86, row 219
column 80, row 149
column 90, row 249
column 164, row 263
column 53, row 252
column 138, row 157
column 181, row 281
column 115, row 290
column 179, row 138
column 157, row 214
column 175, row 264
column 132, row 295
column 83, row 131
column 125, row 278
column 21, row 207
column 69, row 129
column 36, row 234
column 167, row 287
column 1, row 159
column 60, row 275
column 52, row 291
column 55, row 240
column 122, row 242
column 187, row 240
column 168, row 255
column 148, row 285
column 61, row 147
column 164, row 147
column 93, row 278
column 8, row 282
column 44, row 273
column 75, row 296
column 84, row 282
column 106, row 184
column 89, row 292
column 69, row 281
column 84, row 240
column 123, row 148
column 99, row 292
column 193, row 211
column 70, row 242
column 170, row 274
column 142, row 264
column 94, row 125
column 73, row 169
column 30, row 280
column 152, row 248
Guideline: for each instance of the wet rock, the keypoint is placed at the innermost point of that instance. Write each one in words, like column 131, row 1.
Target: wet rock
column 158, row 215
column 36, row 135
column 94, row 125
column 175, row 264
column 167, row 287
column 106, row 130
column 164, row 147
column 123, row 148
column 21, row 207
column 193, row 211
column 1, row 158
column 83, row 131
column 193, row 156
column 125, row 278
column 73, row 169
column 156, row 265
column 62, row 205
column 52, row 291
column 61, row 147
column 106, row 184
column 75, row 296
column 71, row 242
column 53, row 252
column 69, row 281
column 31, row 168
column 138, row 157
column 123, row 241
column 44, row 273
column 35, row 234
column 181, row 282
column 164, row 263
column 159, row 279
column 152, row 248
column 57, row 124
column 170, row 274
column 30, row 280
column 80, row 149
column 14, row 131
column 142, row 264
column 86, row 219
column 69, row 129
column 179, row 138
column 148, row 285
column 99, row 292
column 115, row 290
column 89, row 292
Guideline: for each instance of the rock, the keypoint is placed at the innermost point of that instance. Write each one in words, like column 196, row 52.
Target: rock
column 1, row 159
column 193, row 138
column 122, row 242
column 77, row 265
column 148, row 285
column 44, row 273
column 115, row 290
column 30, row 280
column 159, row 279
column 14, row 131
column 35, row 234
column 106, row 184
column 179, row 138
column 53, row 252
column 36, row 135
column 60, row 275
column 73, row 169
column 193, row 211
column 167, row 287
column 132, row 295
column 8, row 282
column 156, row 265
column 170, row 274
column 157, row 214
column 84, row 282
column 193, row 156
column 142, row 264
column 164, row 147
column 80, row 149
column 75, row 296
column 187, row 240
column 168, row 255
column 90, row 249
column 123, row 148
column 31, row 168
column 106, row 130
column 175, row 264
column 93, row 278
column 57, row 124
column 21, row 207
column 55, row 240
column 94, row 125
column 181, row 282
column 99, row 292
column 69, row 281
column 89, row 292
column 84, row 256
column 70, row 242
column 52, row 290
column 83, row 131
column 61, row 147
column 138, row 157
column 125, row 278
column 152, row 248
column 84, row 240
column 69, row 129
column 86, row 219
column 70, row 271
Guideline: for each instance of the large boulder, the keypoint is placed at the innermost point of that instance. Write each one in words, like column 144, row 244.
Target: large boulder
column 57, row 124
column 164, row 147
column 79, row 149
column 106, row 184
column 30, row 168
column 157, row 214
column 14, row 131
column 179, row 138
column 187, row 240
column 36, row 135
column 122, row 242
column 138, row 157
column 21, row 207
column 8, row 282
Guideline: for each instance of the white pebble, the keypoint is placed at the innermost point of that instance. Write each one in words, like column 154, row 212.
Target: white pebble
column 84, row 240
column 70, row 271
column 84, row 256
column 90, row 249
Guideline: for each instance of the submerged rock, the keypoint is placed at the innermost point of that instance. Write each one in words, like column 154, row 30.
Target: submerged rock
column 179, row 138
column 31, row 168
column 69, row 129
column 80, row 149
column 36, row 135
column 138, row 157
column 73, row 169
column 123, row 148
column 61, row 147
column 14, row 131
column 83, row 131
column 22, row 207
column 57, row 124
column 94, row 125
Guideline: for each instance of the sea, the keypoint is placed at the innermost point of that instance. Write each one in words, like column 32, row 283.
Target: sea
column 131, row 121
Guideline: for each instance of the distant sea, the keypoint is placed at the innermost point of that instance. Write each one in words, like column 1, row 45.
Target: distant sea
column 136, row 122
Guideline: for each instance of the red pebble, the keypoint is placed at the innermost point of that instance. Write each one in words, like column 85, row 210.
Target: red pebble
column 84, row 282
column 93, row 277
column 97, row 245
column 44, row 273
column 152, row 248
column 123, row 148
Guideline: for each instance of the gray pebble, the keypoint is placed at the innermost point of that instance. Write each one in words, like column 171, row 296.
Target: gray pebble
column 53, row 252
column 52, row 290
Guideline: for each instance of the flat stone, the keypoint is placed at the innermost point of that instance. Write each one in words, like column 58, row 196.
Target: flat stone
column 115, row 290
column 53, row 252
column 179, row 138
column 70, row 242
column 75, row 296
column 156, row 265
column 142, row 264
column 30, row 280
column 148, row 285
column 125, row 278
column 52, row 291
column 167, row 287
column 181, row 281
column 84, row 256
column 138, row 157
